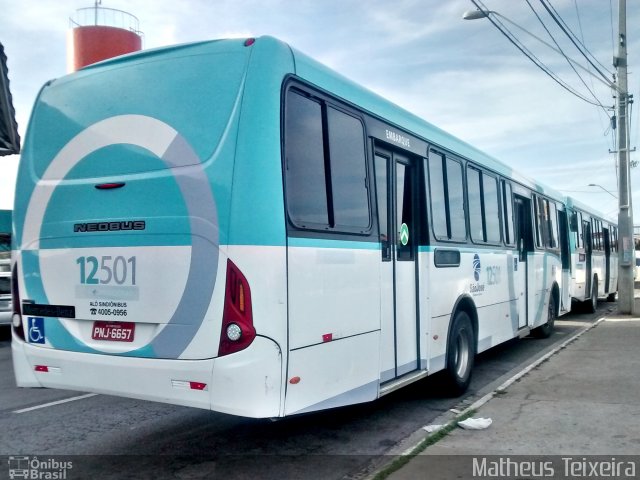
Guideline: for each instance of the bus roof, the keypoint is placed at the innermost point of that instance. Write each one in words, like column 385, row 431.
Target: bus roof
column 573, row 203
column 327, row 79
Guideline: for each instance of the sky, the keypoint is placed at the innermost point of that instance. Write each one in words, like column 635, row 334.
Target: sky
column 463, row 76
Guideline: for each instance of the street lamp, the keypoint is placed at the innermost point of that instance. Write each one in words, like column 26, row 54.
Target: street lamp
column 600, row 186
column 477, row 14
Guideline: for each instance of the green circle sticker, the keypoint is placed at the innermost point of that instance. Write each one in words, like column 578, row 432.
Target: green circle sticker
column 404, row 234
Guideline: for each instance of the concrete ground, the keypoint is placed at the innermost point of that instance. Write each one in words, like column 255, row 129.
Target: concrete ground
column 583, row 401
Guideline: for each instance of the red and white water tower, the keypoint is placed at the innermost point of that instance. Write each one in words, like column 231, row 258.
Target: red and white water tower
column 97, row 33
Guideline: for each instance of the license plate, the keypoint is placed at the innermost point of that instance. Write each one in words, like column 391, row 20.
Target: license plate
column 113, row 331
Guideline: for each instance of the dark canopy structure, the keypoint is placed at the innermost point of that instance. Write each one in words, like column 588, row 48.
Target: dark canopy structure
column 9, row 138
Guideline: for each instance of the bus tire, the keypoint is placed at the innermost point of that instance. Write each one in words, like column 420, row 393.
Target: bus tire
column 592, row 303
column 460, row 354
column 611, row 297
column 545, row 331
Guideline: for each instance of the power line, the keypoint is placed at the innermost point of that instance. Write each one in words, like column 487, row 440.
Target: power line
column 580, row 191
column 572, row 37
column 565, row 56
column 581, row 42
column 575, row 3
column 507, row 33
column 607, row 129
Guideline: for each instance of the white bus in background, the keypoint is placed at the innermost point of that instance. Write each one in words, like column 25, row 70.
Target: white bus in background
column 594, row 255
column 6, row 307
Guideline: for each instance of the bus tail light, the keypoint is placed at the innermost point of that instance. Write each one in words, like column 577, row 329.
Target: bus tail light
column 237, row 320
column 16, row 318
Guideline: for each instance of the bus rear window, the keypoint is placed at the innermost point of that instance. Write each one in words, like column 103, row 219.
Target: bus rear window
column 191, row 93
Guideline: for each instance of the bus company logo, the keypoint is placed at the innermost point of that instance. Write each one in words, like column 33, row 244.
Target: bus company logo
column 476, row 288
column 476, row 267
column 28, row 467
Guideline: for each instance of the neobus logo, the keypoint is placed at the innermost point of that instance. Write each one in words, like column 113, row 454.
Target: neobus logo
column 109, row 226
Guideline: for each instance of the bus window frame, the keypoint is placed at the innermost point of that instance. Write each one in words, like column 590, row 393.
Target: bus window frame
column 319, row 230
column 481, row 173
column 507, row 211
column 544, row 244
column 445, row 157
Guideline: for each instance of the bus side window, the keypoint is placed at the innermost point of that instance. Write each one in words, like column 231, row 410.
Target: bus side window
column 507, row 202
column 381, row 169
column 491, row 208
column 455, row 193
column 349, row 195
column 579, row 231
column 586, row 235
column 438, row 196
column 325, row 167
column 553, row 214
column 474, row 194
column 305, row 164
column 542, row 222
column 446, row 197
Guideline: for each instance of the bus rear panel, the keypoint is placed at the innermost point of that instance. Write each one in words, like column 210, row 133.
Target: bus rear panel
column 135, row 231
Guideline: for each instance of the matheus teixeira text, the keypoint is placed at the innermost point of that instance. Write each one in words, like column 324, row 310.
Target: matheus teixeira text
column 570, row 467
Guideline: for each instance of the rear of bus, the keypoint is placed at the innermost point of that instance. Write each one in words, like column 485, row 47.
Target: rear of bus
column 148, row 256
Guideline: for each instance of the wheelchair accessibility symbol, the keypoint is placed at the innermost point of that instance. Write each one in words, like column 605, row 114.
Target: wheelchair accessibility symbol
column 36, row 329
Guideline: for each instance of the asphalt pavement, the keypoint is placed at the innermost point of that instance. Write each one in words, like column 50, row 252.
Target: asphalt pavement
column 113, row 437
column 574, row 414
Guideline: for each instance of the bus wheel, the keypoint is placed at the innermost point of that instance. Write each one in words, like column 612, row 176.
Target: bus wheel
column 460, row 354
column 611, row 297
column 592, row 303
column 545, row 331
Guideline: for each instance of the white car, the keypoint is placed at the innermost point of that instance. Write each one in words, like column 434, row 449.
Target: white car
column 5, row 293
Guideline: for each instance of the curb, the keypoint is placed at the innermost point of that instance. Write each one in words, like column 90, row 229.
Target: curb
column 447, row 421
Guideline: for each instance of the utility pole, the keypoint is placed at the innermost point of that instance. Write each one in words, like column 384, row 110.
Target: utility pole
column 626, row 253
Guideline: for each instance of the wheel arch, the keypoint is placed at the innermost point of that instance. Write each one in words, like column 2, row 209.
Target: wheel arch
column 555, row 293
column 465, row 303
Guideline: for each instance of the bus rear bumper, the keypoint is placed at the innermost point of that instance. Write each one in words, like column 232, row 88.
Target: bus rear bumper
column 239, row 384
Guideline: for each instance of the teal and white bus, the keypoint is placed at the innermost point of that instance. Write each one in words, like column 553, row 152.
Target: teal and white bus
column 230, row 225
column 594, row 255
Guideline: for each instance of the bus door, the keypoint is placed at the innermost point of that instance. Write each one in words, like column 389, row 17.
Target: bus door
column 565, row 256
column 397, row 213
column 524, row 242
column 588, row 249
column 607, row 259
